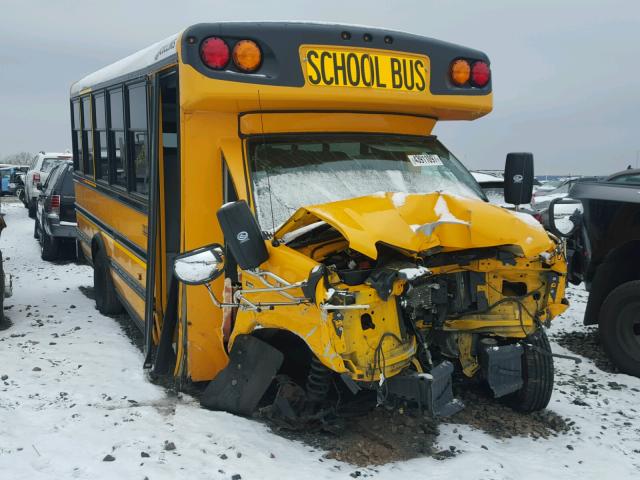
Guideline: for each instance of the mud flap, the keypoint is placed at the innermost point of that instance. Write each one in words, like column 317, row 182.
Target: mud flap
column 502, row 367
column 431, row 391
column 238, row 388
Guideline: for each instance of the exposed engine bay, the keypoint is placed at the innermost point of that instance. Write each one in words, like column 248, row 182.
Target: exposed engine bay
column 397, row 298
column 454, row 304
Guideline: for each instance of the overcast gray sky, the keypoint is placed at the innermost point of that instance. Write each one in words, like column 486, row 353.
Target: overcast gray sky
column 566, row 74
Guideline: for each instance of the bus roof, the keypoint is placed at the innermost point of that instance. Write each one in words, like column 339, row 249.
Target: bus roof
column 278, row 36
column 162, row 52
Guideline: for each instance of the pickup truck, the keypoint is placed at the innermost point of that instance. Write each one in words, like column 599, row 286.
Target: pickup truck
column 603, row 249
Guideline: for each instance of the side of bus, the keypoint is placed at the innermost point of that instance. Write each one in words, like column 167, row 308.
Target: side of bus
column 114, row 148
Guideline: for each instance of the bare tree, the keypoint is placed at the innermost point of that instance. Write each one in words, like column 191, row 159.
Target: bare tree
column 20, row 158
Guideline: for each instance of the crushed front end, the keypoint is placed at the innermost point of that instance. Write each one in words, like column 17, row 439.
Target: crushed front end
column 405, row 313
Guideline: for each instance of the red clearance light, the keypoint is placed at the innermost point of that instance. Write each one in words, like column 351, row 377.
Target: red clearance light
column 480, row 74
column 215, row 53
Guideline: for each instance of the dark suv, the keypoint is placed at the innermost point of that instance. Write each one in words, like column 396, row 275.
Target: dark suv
column 56, row 214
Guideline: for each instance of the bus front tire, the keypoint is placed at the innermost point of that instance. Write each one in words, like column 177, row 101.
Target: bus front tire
column 537, row 375
column 107, row 300
column 619, row 327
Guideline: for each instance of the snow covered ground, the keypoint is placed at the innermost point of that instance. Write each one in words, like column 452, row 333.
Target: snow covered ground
column 74, row 395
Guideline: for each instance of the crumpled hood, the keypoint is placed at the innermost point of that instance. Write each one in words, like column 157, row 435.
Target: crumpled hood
column 418, row 222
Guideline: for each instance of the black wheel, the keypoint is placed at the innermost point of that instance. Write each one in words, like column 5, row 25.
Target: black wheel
column 619, row 324
column 49, row 246
column 32, row 209
column 36, row 229
column 537, row 375
column 107, row 300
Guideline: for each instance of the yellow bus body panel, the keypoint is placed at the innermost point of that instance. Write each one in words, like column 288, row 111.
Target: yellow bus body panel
column 319, row 122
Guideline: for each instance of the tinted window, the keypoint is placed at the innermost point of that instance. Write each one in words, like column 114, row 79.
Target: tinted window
column 86, row 114
column 115, row 109
column 140, row 162
column 77, row 157
column 88, row 152
column 102, row 156
column 138, row 107
column 67, row 181
column 99, row 112
column 137, row 96
column 119, row 173
column 632, row 179
column 76, row 114
column 51, row 180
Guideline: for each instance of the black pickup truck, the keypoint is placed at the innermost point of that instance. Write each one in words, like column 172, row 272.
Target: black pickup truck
column 603, row 247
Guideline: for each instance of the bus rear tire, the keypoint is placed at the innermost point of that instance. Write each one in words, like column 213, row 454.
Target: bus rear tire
column 537, row 375
column 107, row 301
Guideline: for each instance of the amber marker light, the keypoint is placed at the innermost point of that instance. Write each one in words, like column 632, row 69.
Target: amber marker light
column 247, row 55
column 460, row 72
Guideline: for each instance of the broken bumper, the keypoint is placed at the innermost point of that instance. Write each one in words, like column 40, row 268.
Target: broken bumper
column 432, row 392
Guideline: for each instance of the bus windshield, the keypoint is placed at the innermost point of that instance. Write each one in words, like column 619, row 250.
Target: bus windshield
column 291, row 172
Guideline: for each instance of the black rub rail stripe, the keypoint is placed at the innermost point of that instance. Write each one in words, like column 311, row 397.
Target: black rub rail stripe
column 114, row 193
column 128, row 279
column 135, row 249
column 131, row 311
column 83, row 236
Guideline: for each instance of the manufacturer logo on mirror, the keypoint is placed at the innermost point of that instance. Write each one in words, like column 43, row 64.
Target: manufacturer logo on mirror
column 518, row 178
column 242, row 236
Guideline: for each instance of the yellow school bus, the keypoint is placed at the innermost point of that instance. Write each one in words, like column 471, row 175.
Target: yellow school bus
column 270, row 205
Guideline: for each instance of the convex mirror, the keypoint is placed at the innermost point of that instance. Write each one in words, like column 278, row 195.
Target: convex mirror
column 199, row 266
column 565, row 216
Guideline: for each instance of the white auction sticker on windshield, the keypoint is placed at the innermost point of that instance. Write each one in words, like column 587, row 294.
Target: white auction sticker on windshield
column 425, row 160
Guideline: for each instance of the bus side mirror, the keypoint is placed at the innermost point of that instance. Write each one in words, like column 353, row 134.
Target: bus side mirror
column 565, row 216
column 518, row 178
column 242, row 235
column 199, row 266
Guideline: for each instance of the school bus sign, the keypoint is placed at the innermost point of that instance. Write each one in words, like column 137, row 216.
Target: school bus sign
column 365, row 68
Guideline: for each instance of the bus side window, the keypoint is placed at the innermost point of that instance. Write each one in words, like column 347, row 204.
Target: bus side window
column 76, row 137
column 87, row 138
column 116, row 139
column 100, row 137
column 138, row 138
